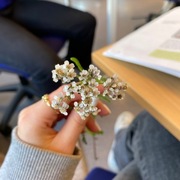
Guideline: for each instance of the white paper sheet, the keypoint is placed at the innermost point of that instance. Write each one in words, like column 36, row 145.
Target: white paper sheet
column 155, row 45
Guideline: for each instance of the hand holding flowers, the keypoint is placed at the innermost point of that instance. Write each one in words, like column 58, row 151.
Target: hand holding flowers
column 77, row 100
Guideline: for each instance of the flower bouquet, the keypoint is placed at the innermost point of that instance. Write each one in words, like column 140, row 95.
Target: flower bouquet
column 85, row 84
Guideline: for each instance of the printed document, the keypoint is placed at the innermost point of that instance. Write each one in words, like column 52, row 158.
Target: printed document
column 156, row 45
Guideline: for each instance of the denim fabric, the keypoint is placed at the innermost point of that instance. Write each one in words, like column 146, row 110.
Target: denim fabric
column 153, row 150
column 129, row 172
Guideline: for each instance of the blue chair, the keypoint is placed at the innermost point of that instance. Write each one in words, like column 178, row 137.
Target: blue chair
column 23, row 88
column 99, row 173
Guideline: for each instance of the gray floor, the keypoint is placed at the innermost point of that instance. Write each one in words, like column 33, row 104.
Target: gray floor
column 130, row 15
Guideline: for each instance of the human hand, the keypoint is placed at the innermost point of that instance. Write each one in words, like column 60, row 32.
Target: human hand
column 36, row 122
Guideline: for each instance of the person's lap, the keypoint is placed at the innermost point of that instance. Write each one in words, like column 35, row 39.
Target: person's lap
column 154, row 150
column 129, row 172
column 45, row 18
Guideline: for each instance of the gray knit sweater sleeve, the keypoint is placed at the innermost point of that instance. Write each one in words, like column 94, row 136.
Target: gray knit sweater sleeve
column 25, row 162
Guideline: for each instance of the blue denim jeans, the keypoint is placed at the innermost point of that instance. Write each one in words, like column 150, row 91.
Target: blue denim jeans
column 146, row 150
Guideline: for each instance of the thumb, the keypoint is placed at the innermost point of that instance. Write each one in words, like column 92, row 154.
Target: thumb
column 67, row 137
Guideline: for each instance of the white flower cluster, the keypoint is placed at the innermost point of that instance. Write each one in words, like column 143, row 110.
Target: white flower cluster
column 113, row 88
column 64, row 72
column 86, row 87
column 59, row 104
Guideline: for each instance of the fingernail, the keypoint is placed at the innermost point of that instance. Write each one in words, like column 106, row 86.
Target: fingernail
column 106, row 108
column 98, row 128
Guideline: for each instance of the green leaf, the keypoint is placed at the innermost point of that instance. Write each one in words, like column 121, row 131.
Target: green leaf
column 77, row 63
column 84, row 138
column 105, row 98
column 94, row 133
column 103, row 79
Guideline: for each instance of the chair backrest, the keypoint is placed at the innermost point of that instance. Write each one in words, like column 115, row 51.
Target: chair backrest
column 19, row 72
column 23, row 88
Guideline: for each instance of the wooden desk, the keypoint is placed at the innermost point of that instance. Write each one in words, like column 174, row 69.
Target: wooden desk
column 157, row 92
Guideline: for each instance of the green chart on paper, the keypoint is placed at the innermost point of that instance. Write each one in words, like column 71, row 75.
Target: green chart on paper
column 164, row 54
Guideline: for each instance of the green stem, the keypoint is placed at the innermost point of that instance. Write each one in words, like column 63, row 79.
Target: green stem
column 77, row 63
